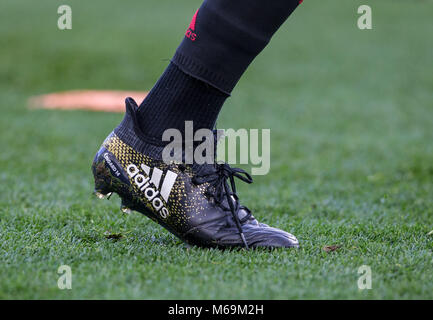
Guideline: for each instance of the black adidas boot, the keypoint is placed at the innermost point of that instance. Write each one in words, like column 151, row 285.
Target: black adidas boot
column 197, row 203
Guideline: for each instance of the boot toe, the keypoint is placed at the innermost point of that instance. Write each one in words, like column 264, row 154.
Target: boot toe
column 270, row 237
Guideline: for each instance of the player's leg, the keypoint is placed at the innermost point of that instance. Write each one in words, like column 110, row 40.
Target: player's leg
column 195, row 202
column 224, row 36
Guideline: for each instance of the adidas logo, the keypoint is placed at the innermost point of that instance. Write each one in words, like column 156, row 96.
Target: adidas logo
column 150, row 186
column 190, row 32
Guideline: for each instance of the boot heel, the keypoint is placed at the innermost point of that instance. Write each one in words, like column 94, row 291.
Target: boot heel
column 102, row 176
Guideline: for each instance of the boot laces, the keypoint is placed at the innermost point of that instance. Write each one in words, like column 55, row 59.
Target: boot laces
column 218, row 177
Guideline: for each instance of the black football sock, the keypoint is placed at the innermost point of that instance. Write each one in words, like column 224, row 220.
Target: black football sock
column 176, row 98
column 223, row 38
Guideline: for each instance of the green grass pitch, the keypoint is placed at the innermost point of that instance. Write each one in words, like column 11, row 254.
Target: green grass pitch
column 351, row 119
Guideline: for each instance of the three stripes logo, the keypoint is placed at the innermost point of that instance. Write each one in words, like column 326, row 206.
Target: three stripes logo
column 149, row 184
